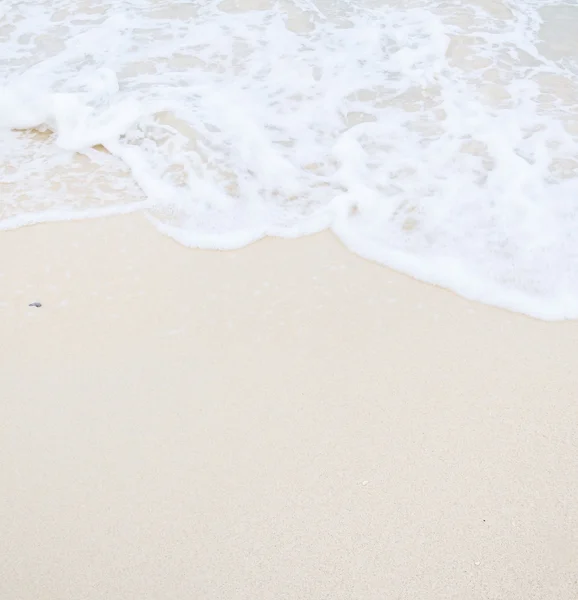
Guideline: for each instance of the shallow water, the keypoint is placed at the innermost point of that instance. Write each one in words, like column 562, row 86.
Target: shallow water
column 439, row 138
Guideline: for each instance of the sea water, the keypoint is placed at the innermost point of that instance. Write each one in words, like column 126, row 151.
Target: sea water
column 436, row 137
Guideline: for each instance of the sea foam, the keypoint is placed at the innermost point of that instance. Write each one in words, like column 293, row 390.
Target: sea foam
column 438, row 138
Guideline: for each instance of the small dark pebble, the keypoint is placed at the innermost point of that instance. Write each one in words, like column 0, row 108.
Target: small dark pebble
column 35, row 304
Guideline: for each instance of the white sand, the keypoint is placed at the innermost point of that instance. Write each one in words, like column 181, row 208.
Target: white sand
column 283, row 422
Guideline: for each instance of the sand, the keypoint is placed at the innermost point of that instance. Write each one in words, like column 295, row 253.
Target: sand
column 287, row 421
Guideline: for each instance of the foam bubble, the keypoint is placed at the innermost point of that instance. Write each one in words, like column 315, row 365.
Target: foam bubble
column 438, row 138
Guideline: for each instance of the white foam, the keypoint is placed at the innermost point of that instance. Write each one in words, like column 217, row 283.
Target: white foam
column 435, row 137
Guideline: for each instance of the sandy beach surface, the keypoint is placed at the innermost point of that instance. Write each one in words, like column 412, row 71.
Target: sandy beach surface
column 287, row 421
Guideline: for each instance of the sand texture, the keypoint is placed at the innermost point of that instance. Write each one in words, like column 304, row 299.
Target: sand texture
column 287, row 421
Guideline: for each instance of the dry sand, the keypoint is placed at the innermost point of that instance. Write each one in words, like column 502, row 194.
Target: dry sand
column 283, row 422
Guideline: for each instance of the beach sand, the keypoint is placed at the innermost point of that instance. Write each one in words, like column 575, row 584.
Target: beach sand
column 286, row 421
